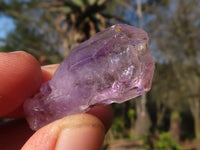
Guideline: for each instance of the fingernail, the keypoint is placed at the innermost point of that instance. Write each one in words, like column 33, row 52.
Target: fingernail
column 81, row 137
column 50, row 68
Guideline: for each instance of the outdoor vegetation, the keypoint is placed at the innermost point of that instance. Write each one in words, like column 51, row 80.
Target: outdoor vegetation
column 167, row 117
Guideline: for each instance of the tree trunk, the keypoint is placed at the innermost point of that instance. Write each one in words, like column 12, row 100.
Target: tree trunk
column 175, row 126
column 195, row 109
column 197, row 118
column 160, row 115
column 143, row 123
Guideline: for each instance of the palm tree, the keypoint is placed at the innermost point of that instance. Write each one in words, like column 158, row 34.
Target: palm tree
column 77, row 20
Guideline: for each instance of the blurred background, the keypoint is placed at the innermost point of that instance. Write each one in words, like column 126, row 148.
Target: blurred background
column 167, row 117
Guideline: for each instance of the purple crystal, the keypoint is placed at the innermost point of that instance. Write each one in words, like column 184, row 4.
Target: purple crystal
column 113, row 66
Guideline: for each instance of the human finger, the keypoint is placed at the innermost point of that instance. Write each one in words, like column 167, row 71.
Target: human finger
column 104, row 113
column 18, row 131
column 80, row 131
column 20, row 78
column 47, row 73
column 14, row 134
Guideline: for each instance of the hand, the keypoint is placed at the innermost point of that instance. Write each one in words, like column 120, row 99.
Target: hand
column 20, row 78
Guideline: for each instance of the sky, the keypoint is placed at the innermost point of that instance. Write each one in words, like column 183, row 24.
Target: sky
column 6, row 25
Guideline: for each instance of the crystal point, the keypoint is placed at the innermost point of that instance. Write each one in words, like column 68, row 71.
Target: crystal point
column 113, row 66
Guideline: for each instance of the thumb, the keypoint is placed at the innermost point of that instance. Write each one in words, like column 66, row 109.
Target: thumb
column 80, row 131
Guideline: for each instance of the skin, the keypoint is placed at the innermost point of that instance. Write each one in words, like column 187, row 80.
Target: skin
column 20, row 78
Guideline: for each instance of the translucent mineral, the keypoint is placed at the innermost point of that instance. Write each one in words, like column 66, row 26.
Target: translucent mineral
column 113, row 66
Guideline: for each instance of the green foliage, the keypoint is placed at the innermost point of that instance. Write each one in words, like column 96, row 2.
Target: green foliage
column 33, row 33
column 118, row 128
column 131, row 116
column 165, row 142
column 146, row 142
column 131, row 113
column 175, row 116
column 80, row 3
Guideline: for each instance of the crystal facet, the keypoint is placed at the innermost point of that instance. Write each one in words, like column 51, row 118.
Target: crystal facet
column 113, row 66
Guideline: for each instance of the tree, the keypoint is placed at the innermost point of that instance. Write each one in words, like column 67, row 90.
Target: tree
column 56, row 26
column 177, row 38
column 77, row 20
column 34, row 32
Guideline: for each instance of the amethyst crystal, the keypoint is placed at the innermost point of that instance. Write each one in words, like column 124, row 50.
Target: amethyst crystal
column 113, row 66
